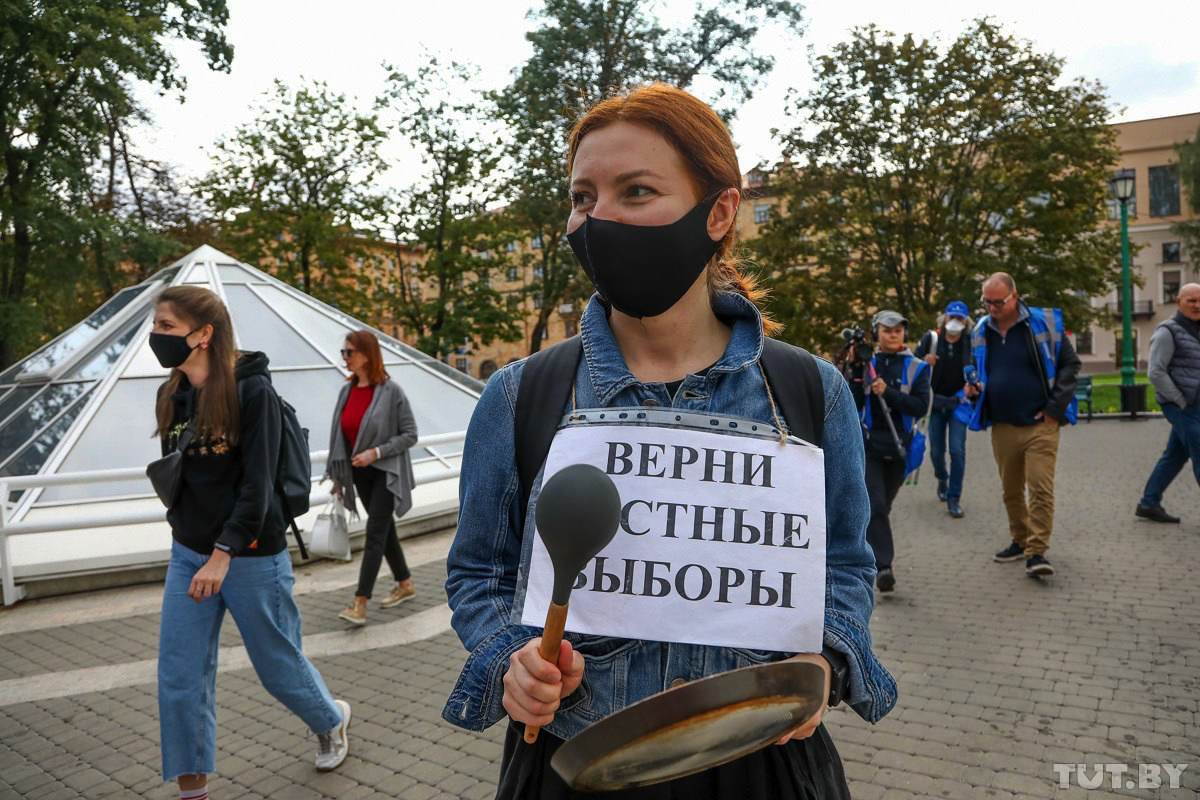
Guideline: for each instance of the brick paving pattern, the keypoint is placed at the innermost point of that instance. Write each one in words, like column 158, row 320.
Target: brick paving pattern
column 1001, row 676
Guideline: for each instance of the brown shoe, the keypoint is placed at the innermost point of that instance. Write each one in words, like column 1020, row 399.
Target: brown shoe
column 354, row 614
column 403, row 591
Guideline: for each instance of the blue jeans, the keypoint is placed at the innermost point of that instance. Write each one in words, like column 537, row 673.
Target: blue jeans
column 1182, row 444
column 938, row 422
column 258, row 593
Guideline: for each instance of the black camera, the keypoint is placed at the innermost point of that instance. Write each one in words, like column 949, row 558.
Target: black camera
column 857, row 347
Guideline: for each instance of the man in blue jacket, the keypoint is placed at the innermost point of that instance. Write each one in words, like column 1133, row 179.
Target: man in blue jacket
column 1027, row 375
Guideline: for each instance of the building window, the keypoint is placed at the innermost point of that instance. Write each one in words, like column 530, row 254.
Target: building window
column 1114, row 208
column 1171, row 253
column 762, row 213
column 511, row 247
column 487, row 369
column 1083, row 342
column 485, row 281
column 570, row 328
column 460, row 364
column 1170, row 282
column 537, row 300
column 536, row 242
column 545, row 333
column 539, row 273
column 512, row 273
column 1164, row 191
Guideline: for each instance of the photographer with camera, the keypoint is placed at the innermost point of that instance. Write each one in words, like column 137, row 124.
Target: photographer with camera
column 891, row 389
column 946, row 351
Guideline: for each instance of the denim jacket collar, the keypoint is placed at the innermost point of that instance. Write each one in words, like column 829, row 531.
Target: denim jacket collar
column 606, row 364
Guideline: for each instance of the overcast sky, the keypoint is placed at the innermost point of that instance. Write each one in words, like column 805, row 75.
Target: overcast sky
column 1145, row 59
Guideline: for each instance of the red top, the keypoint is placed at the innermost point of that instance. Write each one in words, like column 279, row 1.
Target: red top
column 355, row 410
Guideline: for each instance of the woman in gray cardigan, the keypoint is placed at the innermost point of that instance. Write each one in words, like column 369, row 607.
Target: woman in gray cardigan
column 373, row 430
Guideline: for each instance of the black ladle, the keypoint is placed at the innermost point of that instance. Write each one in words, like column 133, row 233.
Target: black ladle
column 577, row 515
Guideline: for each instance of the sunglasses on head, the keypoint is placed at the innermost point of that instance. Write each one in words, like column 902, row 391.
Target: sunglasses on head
column 347, row 352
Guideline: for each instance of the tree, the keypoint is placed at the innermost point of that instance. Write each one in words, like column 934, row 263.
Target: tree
column 911, row 173
column 584, row 51
column 446, row 297
column 294, row 184
column 1189, row 176
column 66, row 71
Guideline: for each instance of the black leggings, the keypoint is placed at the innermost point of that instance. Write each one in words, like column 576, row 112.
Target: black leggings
column 371, row 485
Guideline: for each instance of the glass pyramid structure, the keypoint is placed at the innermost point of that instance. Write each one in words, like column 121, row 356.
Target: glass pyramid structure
column 85, row 402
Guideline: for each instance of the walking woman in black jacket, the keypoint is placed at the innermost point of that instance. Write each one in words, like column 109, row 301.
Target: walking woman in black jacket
column 229, row 550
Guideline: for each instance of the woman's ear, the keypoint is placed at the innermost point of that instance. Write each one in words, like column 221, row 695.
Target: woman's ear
column 723, row 214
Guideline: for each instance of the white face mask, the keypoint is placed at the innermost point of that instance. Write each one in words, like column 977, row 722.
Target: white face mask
column 954, row 326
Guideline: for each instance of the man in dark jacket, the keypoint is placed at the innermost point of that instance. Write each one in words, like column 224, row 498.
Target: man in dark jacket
column 1175, row 373
column 1027, row 375
column 894, row 385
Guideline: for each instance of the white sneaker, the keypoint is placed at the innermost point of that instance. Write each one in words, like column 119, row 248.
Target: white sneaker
column 334, row 746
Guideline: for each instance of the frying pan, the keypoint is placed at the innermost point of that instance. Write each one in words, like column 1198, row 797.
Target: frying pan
column 692, row 727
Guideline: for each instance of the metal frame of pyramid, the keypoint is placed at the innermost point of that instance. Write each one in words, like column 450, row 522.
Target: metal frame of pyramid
column 76, row 417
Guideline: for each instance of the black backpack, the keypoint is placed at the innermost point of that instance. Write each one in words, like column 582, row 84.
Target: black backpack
column 293, row 471
column 293, row 475
column 549, row 374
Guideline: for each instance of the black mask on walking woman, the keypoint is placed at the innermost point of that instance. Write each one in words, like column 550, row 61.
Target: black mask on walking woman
column 171, row 350
column 643, row 270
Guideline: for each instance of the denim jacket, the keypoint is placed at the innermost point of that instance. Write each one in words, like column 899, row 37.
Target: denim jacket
column 484, row 561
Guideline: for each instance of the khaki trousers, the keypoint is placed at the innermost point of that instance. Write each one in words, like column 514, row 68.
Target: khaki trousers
column 1026, row 455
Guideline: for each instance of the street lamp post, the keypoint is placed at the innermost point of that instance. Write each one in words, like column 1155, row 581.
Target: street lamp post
column 1122, row 188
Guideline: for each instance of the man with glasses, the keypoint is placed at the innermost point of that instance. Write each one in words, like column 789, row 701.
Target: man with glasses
column 1027, row 374
column 1175, row 373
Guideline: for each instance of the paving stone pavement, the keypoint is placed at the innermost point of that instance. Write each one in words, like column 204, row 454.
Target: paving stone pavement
column 1001, row 676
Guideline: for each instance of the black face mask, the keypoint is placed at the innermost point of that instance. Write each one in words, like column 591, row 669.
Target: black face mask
column 171, row 350
column 643, row 270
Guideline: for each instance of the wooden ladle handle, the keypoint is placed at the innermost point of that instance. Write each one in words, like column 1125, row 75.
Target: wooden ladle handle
column 556, row 621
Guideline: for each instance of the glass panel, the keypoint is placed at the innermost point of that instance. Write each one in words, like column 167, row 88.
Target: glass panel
column 439, row 407
column 119, row 435
column 196, row 273
column 31, row 459
column 261, row 328
column 233, row 274
column 328, row 332
column 40, row 410
column 102, row 361
column 61, row 348
column 1164, row 191
column 15, row 398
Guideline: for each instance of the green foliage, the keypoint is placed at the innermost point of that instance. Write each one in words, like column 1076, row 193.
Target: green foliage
column 1189, row 175
column 446, row 296
column 912, row 172
column 66, row 72
column 293, row 184
column 584, row 51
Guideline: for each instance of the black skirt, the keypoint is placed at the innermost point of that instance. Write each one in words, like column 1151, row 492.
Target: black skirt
column 805, row 769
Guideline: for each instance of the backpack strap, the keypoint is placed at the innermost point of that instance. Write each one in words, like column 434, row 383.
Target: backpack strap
column 797, row 387
column 546, row 382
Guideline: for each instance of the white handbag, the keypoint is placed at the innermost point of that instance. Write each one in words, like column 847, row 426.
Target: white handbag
column 331, row 533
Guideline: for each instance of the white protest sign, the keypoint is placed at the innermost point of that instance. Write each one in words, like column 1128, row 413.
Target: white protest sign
column 721, row 540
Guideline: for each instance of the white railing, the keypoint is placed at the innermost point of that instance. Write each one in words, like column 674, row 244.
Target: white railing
column 13, row 593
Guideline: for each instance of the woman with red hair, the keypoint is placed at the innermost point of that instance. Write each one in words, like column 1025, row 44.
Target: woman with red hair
column 373, row 430
column 654, row 188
